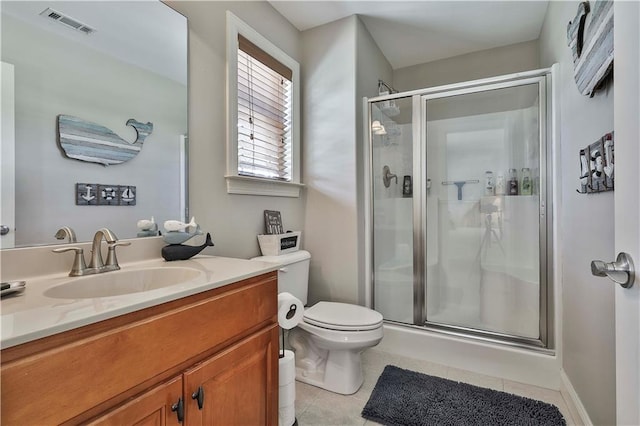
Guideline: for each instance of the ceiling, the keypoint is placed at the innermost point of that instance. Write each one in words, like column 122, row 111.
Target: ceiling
column 415, row 32
column 147, row 34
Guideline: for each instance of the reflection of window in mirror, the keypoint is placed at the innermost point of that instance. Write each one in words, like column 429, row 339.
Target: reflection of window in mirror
column 263, row 146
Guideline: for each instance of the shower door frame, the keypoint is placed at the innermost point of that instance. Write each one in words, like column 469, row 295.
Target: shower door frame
column 542, row 77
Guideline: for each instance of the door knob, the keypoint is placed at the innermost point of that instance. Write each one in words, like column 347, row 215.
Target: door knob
column 621, row 271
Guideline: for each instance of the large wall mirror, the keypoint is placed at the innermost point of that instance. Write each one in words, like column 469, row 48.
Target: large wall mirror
column 133, row 65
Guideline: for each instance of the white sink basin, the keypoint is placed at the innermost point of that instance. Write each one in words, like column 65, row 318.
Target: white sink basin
column 121, row 282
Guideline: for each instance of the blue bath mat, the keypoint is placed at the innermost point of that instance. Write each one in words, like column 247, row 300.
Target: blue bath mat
column 406, row 398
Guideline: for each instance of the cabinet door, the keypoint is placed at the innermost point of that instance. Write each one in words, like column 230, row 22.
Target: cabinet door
column 152, row 408
column 239, row 386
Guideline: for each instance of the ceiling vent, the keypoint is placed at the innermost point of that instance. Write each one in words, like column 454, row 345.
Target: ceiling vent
column 67, row 21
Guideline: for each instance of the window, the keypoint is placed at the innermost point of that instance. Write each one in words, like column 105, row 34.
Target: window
column 264, row 114
column 263, row 135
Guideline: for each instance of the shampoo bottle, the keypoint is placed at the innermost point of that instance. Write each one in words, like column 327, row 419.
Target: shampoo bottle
column 525, row 187
column 513, row 182
column 489, row 184
column 500, row 185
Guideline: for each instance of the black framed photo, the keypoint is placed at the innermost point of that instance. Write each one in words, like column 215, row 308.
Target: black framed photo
column 597, row 165
column 272, row 222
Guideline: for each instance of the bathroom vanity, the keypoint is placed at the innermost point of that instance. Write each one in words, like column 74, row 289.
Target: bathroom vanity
column 202, row 352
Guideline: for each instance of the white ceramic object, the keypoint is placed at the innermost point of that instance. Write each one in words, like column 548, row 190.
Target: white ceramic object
column 331, row 337
column 146, row 224
column 178, row 226
column 35, row 314
column 122, row 282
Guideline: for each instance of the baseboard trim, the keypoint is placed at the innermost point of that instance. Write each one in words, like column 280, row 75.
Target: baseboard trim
column 573, row 401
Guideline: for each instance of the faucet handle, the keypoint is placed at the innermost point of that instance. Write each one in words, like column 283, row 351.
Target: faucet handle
column 112, row 261
column 78, row 267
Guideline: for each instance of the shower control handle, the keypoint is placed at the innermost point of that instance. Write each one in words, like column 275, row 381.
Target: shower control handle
column 387, row 176
column 621, row 271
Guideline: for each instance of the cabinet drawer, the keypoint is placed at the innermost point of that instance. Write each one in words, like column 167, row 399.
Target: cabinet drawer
column 60, row 383
column 154, row 407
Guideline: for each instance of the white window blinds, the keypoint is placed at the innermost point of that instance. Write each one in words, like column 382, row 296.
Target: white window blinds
column 264, row 114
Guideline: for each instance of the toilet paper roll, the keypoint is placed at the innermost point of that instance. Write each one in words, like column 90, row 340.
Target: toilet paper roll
column 290, row 310
column 287, row 368
column 287, row 394
column 287, row 415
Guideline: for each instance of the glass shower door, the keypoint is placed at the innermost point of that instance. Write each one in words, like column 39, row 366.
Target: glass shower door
column 483, row 209
column 392, row 175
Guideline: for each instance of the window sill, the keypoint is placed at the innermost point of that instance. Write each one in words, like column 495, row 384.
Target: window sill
column 255, row 186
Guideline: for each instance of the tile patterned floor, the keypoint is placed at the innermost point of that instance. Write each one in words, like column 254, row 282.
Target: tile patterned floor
column 317, row 407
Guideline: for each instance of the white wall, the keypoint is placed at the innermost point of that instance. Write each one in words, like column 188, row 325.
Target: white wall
column 472, row 66
column 585, row 231
column 55, row 75
column 233, row 220
column 341, row 64
column 371, row 66
column 329, row 159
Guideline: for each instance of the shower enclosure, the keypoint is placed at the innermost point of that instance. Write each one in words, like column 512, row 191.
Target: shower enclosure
column 458, row 208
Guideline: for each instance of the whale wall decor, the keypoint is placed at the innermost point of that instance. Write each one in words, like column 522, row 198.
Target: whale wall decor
column 590, row 37
column 86, row 141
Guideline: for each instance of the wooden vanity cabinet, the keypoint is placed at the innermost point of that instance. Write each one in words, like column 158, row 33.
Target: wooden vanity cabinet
column 231, row 388
column 153, row 407
column 217, row 349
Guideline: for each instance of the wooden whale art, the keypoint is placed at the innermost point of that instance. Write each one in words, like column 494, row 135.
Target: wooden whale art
column 590, row 37
column 86, row 141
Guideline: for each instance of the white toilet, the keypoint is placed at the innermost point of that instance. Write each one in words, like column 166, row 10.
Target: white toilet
column 331, row 337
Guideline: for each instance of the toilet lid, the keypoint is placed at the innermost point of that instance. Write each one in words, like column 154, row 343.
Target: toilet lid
column 342, row 316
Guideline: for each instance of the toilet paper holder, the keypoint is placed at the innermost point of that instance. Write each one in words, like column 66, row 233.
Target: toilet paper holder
column 292, row 311
column 290, row 314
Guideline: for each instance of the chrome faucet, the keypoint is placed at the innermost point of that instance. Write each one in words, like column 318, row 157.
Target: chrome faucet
column 66, row 232
column 96, row 261
column 96, row 264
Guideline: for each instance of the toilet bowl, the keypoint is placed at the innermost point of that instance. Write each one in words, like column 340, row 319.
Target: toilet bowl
column 331, row 336
column 328, row 352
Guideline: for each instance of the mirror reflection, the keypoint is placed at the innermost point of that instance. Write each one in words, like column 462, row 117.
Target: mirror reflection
column 103, row 63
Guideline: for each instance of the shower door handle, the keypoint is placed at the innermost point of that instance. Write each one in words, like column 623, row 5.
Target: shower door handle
column 621, row 271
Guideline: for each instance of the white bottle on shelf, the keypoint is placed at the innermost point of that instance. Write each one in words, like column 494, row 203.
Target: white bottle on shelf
column 500, row 185
column 489, row 184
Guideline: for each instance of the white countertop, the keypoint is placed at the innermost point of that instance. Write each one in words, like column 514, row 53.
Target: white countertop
column 32, row 315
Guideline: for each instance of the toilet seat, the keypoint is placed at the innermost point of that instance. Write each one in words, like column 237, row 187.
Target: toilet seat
column 342, row 317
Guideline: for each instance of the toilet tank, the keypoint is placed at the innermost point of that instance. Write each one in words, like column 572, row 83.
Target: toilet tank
column 293, row 275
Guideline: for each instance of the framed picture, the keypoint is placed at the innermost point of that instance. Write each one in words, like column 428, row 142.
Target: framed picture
column 597, row 166
column 272, row 222
column 584, row 172
column 609, row 158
